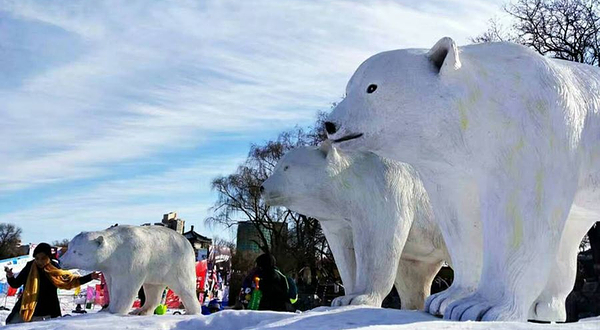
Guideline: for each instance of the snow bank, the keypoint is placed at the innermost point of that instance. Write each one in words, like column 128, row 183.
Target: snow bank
column 349, row 317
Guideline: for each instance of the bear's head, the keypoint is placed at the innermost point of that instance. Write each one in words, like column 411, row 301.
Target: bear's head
column 398, row 104
column 301, row 181
column 87, row 250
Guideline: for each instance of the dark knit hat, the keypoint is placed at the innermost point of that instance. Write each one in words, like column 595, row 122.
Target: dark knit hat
column 44, row 248
column 266, row 261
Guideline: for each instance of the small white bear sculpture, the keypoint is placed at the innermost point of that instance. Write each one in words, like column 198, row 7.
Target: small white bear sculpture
column 132, row 256
column 506, row 143
column 375, row 215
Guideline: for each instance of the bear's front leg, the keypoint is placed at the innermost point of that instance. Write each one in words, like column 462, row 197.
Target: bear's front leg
column 455, row 202
column 123, row 292
column 153, row 295
column 522, row 224
column 378, row 246
column 339, row 236
column 550, row 305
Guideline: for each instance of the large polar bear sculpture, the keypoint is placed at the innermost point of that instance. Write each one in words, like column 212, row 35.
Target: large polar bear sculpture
column 129, row 257
column 375, row 215
column 507, row 145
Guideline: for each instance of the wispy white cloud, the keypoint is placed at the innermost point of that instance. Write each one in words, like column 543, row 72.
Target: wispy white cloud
column 149, row 75
column 134, row 201
column 88, row 85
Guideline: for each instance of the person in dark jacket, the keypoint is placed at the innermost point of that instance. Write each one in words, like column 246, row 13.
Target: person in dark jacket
column 278, row 291
column 41, row 277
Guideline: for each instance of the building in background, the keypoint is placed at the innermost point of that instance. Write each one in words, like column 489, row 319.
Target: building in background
column 248, row 234
column 170, row 220
column 200, row 243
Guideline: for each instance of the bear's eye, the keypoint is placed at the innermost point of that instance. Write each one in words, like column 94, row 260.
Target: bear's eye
column 371, row 88
column 286, row 168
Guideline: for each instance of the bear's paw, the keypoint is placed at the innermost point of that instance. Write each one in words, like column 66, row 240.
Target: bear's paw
column 548, row 310
column 436, row 303
column 357, row 299
column 477, row 307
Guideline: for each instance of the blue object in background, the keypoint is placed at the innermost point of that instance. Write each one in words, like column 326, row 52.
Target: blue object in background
column 213, row 307
column 3, row 288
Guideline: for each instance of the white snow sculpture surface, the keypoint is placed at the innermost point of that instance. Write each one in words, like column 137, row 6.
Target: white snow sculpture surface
column 132, row 256
column 375, row 215
column 505, row 141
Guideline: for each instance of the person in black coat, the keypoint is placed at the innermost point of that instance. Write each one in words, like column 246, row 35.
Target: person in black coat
column 47, row 296
column 273, row 284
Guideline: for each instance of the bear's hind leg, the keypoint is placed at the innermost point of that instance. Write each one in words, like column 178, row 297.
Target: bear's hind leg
column 550, row 305
column 185, row 289
column 413, row 282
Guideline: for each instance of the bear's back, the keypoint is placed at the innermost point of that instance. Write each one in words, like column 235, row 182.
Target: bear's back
column 517, row 78
column 150, row 242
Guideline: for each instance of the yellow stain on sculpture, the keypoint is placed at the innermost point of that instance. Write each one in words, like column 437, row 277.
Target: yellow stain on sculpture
column 515, row 151
column 539, row 190
column 464, row 106
column 513, row 213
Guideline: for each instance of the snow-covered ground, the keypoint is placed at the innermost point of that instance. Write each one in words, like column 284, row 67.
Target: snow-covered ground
column 66, row 299
column 349, row 317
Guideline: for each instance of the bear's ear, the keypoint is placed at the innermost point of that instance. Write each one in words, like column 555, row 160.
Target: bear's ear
column 325, row 147
column 444, row 55
column 99, row 240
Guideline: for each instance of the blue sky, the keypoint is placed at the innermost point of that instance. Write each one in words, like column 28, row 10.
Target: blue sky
column 120, row 111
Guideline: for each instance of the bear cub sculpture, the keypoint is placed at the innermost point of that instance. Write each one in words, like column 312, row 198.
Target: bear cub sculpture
column 134, row 256
column 375, row 215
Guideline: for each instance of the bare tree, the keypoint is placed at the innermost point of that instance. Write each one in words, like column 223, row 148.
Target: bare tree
column 63, row 243
column 294, row 239
column 564, row 29
column 10, row 238
column 496, row 32
column 223, row 242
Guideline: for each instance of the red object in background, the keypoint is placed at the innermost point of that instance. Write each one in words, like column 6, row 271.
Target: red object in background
column 172, row 301
column 11, row 291
column 201, row 269
column 99, row 299
column 105, row 295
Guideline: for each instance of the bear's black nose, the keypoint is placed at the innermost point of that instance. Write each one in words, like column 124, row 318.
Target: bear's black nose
column 262, row 189
column 330, row 127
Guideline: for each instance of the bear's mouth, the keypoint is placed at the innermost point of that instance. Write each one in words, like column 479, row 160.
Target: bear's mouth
column 348, row 137
column 274, row 199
